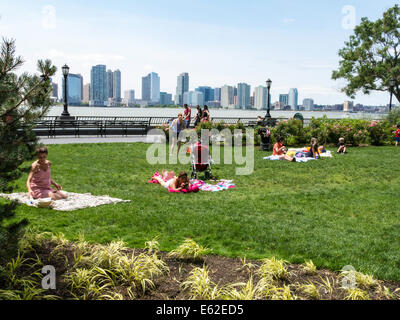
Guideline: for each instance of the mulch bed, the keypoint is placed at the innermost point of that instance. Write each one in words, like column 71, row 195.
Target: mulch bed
column 222, row 271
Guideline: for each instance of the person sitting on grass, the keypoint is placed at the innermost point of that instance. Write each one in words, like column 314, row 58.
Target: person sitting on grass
column 280, row 150
column 171, row 182
column 314, row 151
column 39, row 180
column 342, row 146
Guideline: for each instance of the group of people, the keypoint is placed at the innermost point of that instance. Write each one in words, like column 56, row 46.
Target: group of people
column 313, row 151
column 183, row 122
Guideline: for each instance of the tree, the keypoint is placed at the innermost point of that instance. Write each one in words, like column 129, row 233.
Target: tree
column 23, row 99
column 372, row 56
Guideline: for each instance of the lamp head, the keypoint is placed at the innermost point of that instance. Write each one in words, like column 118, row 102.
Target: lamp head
column 269, row 82
column 65, row 70
column 392, row 83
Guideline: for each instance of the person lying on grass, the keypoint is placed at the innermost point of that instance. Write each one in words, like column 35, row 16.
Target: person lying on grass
column 280, row 150
column 39, row 180
column 173, row 183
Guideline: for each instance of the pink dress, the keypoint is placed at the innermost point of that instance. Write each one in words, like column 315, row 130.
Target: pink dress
column 41, row 184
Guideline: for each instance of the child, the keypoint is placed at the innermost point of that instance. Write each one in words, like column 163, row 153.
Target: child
column 341, row 146
column 398, row 135
column 39, row 180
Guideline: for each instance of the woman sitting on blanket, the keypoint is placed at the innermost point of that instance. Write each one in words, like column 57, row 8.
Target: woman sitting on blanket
column 39, row 180
column 280, row 150
column 170, row 181
column 314, row 151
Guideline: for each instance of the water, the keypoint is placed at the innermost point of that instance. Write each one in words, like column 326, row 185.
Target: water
column 173, row 112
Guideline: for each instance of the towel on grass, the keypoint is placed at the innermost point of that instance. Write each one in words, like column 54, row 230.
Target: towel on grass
column 220, row 186
column 75, row 201
column 298, row 159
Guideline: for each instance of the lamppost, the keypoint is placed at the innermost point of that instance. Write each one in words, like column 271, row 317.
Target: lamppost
column 65, row 71
column 269, row 82
column 392, row 83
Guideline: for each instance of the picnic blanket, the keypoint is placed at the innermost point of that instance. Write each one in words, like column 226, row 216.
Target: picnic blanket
column 75, row 201
column 220, row 186
column 300, row 155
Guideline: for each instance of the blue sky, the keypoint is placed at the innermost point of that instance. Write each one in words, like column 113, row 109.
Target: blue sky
column 295, row 43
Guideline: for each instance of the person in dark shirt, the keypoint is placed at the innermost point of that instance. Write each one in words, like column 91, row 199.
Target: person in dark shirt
column 341, row 146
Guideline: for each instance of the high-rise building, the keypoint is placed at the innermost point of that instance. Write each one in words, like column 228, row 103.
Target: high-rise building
column 151, row 88
column 284, row 98
column 217, row 94
column 208, row 93
column 308, row 104
column 117, row 86
column 193, row 98
column 260, row 99
column 110, row 84
column 348, row 106
column 227, row 97
column 86, row 93
column 74, row 89
column 98, row 86
column 165, row 99
column 243, row 96
column 181, row 88
column 294, row 99
column 129, row 98
column 54, row 91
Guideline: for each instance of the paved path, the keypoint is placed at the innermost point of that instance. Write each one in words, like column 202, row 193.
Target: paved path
column 92, row 139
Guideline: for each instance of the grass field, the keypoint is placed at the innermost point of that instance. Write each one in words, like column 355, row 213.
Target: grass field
column 337, row 212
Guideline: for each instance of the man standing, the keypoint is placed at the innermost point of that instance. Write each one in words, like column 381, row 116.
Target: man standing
column 187, row 114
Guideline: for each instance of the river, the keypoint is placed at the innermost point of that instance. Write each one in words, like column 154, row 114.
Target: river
column 172, row 112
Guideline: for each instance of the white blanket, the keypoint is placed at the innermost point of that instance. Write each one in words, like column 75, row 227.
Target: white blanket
column 297, row 159
column 75, row 201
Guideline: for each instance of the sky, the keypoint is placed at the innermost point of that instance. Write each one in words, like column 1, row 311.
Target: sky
column 294, row 43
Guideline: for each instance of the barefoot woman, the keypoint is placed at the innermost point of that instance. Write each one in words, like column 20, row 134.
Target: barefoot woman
column 39, row 179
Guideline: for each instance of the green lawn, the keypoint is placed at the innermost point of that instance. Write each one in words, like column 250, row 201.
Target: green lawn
column 337, row 212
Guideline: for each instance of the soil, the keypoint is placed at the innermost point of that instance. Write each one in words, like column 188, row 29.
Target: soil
column 222, row 271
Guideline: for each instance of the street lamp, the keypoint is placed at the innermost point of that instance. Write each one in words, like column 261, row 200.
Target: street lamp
column 65, row 71
column 392, row 83
column 269, row 82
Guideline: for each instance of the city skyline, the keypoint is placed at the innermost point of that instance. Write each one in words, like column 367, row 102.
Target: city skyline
column 281, row 41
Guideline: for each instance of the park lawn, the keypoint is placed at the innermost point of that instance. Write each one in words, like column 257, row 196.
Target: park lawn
column 337, row 212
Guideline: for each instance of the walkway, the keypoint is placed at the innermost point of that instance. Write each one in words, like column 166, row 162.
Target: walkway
column 92, row 139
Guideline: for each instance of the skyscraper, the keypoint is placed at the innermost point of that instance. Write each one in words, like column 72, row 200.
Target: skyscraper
column 260, row 99
column 165, row 99
column 86, row 93
column 294, row 99
column 243, row 96
column 54, row 91
column 98, row 84
column 74, row 88
column 151, row 88
column 308, row 104
column 193, row 98
column 110, row 84
column 284, row 98
column 116, row 86
column 129, row 98
column 217, row 94
column 348, row 106
column 208, row 93
column 227, row 96
column 181, row 88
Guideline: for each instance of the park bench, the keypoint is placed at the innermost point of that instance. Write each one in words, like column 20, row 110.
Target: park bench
column 46, row 126
column 124, row 125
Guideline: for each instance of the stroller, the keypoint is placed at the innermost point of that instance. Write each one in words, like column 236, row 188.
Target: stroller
column 200, row 161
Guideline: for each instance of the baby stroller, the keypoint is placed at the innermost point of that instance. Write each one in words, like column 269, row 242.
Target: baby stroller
column 201, row 161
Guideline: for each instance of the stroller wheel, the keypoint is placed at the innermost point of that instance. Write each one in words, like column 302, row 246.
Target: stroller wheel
column 207, row 175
